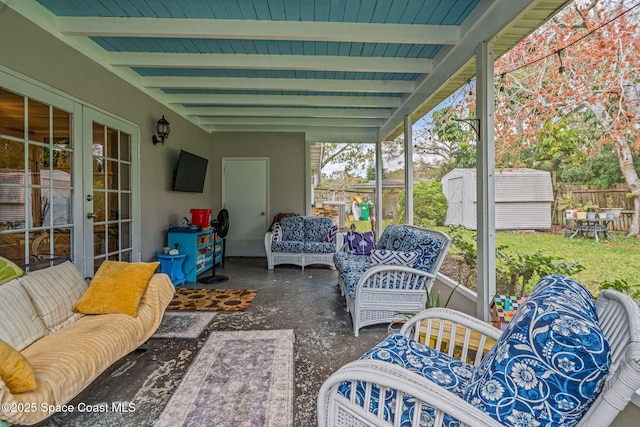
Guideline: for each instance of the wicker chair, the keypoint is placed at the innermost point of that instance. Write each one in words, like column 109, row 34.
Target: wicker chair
column 379, row 294
column 463, row 338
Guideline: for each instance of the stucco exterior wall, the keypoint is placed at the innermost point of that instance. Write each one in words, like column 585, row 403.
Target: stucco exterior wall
column 286, row 153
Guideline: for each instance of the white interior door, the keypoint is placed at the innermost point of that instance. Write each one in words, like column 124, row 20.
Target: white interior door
column 245, row 194
column 111, row 210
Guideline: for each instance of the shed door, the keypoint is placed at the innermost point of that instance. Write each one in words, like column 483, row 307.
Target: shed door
column 454, row 211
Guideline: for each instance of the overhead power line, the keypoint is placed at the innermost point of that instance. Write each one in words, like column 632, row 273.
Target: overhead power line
column 559, row 50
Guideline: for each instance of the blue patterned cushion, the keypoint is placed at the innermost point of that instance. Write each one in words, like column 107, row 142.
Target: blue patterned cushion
column 394, row 238
column 387, row 257
column 383, row 241
column 361, row 243
column 427, row 246
column 350, row 267
column 350, row 280
column 549, row 364
column 315, row 227
column 292, row 228
column 287, row 246
column 346, row 262
column 277, row 232
column 319, row 247
column 437, row 367
column 330, row 236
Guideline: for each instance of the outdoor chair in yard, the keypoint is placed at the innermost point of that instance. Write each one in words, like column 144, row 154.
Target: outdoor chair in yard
column 564, row 359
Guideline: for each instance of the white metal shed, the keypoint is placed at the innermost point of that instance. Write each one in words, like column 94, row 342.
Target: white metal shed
column 523, row 198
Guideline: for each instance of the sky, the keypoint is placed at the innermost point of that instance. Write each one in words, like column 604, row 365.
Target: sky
column 421, row 123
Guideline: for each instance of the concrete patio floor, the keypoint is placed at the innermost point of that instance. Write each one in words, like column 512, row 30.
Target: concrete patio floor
column 309, row 302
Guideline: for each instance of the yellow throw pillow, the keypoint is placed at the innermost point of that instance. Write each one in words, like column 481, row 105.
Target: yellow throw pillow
column 116, row 288
column 15, row 370
column 9, row 270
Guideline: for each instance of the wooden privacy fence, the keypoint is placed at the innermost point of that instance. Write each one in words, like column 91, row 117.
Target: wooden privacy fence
column 584, row 194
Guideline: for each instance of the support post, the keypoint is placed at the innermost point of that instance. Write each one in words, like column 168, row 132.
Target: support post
column 485, row 180
column 408, row 170
column 378, row 206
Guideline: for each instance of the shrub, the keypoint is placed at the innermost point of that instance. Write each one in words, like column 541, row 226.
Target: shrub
column 429, row 204
column 513, row 269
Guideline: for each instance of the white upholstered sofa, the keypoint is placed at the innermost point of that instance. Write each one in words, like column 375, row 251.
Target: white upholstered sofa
column 67, row 350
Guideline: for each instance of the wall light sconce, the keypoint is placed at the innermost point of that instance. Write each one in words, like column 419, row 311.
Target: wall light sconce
column 162, row 129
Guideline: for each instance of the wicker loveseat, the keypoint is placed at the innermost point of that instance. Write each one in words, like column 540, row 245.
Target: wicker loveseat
column 303, row 240
column 564, row 359
column 394, row 277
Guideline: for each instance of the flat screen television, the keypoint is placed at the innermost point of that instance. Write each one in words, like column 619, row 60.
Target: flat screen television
column 190, row 173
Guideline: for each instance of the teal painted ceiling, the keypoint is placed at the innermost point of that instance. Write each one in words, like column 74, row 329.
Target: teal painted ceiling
column 445, row 12
column 339, row 70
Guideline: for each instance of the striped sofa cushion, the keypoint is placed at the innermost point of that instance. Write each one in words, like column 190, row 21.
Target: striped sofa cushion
column 54, row 291
column 19, row 322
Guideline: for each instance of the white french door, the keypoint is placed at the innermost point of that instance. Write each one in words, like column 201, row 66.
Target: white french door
column 110, row 211
column 69, row 180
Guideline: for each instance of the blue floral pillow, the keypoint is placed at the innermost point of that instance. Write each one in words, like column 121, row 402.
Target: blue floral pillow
column 550, row 363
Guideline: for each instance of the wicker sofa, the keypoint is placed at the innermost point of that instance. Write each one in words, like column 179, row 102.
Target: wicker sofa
column 65, row 350
column 394, row 278
column 303, row 240
column 564, row 359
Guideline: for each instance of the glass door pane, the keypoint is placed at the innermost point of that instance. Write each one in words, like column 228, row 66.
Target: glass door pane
column 110, row 216
column 36, row 182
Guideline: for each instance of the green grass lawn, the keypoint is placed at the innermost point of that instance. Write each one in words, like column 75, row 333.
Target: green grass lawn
column 605, row 260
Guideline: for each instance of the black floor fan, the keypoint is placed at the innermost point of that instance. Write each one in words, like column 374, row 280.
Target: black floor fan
column 220, row 226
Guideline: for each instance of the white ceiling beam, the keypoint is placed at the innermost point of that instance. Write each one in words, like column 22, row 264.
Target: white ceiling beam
column 244, row 83
column 258, row 30
column 284, row 100
column 270, row 62
column 344, row 136
column 313, row 134
column 290, row 121
column 357, row 113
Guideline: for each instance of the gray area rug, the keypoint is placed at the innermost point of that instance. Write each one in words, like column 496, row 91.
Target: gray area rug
column 183, row 324
column 238, row 378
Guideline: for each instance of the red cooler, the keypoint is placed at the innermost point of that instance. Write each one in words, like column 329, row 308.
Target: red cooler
column 200, row 217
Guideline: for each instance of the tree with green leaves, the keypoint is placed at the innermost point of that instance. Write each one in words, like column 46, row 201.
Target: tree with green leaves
column 447, row 140
column 429, row 204
column 558, row 146
column 350, row 156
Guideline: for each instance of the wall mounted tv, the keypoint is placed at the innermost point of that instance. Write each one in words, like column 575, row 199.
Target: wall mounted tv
column 190, row 173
